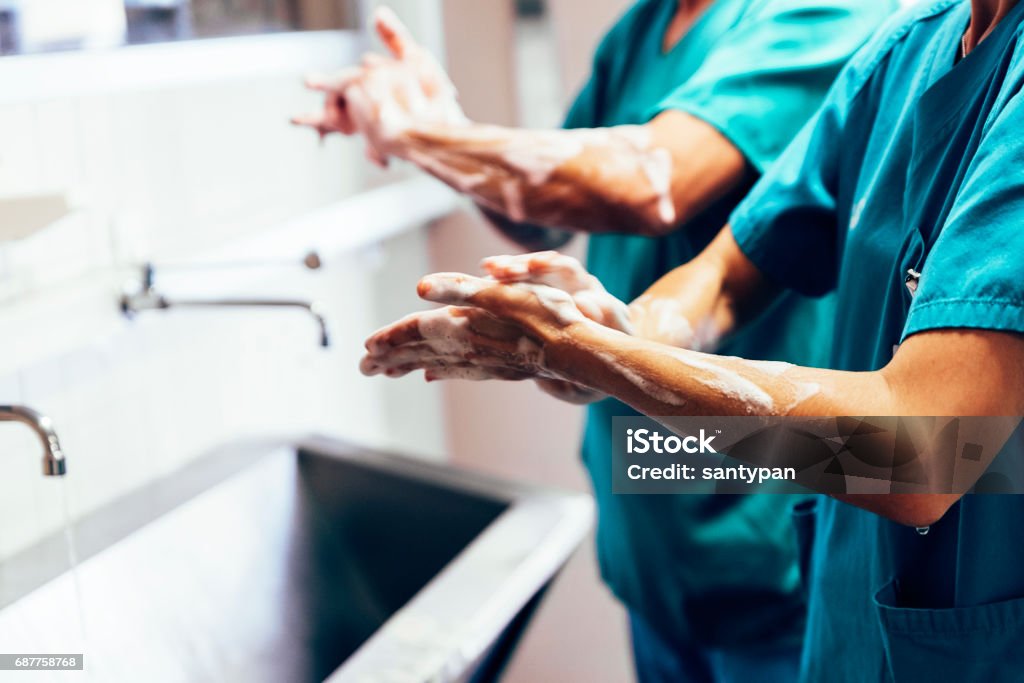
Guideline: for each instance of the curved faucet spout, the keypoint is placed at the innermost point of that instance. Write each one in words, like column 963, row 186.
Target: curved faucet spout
column 144, row 296
column 54, row 463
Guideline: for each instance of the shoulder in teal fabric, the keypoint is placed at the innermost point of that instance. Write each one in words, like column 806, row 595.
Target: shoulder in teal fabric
column 718, row 571
column 915, row 163
column 763, row 76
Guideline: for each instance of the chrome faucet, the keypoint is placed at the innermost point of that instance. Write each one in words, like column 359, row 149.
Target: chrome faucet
column 54, row 464
column 146, row 297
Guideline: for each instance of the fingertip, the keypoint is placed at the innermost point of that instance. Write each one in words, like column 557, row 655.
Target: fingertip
column 455, row 289
column 389, row 29
column 369, row 367
column 489, row 266
column 384, row 16
column 544, row 261
column 376, row 345
column 375, row 157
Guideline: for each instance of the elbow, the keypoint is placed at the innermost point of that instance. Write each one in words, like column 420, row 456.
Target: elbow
column 661, row 217
column 907, row 509
column 913, row 510
column 647, row 223
column 652, row 229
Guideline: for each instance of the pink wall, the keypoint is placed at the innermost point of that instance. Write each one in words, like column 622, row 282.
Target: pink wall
column 579, row 25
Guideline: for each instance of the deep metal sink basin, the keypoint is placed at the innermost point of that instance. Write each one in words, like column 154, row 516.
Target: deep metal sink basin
column 292, row 563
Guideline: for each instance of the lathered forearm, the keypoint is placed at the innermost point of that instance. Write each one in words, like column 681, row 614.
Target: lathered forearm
column 920, row 381
column 658, row 380
column 528, row 322
column 596, row 180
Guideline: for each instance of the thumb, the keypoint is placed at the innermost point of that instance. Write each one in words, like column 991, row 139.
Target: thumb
column 393, row 33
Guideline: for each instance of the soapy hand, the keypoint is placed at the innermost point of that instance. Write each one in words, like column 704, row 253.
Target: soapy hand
column 386, row 97
column 452, row 343
column 563, row 272
column 567, row 274
column 660, row 319
column 489, row 330
column 473, row 340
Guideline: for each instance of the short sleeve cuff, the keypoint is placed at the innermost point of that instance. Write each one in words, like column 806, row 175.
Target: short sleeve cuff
column 734, row 129
column 751, row 229
column 983, row 314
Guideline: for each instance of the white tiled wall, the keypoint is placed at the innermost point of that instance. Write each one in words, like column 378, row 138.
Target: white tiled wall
column 166, row 174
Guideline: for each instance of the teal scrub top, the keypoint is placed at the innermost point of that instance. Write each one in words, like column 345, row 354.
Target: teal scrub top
column 916, row 161
column 717, row 570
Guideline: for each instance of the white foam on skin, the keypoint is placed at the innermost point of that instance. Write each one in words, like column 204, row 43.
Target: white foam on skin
column 770, row 367
column 606, row 309
column 657, row 166
column 804, row 391
column 454, row 289
column 567, row 274
column 801, row 391
column 756, row 401
column 658, row 393
column 396, row 96
column 463, row 182
column 512, row 195
column 539, row 154
column 662, row 319
column 449, row 340
column 402, row 93
column 511, row 267
column 460, row 289
column 444, row 333
column 727, row 382
column 560, row 304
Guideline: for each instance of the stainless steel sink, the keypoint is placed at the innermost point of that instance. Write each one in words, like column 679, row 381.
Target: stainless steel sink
column 299, row 562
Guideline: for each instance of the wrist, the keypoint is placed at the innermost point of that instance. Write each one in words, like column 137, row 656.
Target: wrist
column 565, row 349
column 432, row 147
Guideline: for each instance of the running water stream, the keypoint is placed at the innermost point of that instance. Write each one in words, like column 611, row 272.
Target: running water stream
column 64, row 491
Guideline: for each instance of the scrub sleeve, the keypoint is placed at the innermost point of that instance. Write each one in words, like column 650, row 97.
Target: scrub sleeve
column 911, row 163
column 719, row 571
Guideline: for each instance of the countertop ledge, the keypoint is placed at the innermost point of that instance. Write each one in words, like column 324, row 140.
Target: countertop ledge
column 88, row 306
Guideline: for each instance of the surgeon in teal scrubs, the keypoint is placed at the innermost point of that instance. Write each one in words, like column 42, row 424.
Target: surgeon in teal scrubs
column 711, row 585
column 904, row 197
column 720, row 87
column 907, row 197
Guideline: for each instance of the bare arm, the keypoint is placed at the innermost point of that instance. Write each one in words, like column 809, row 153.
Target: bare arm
column 529, row 330
column 644, row 180
column 917, row 382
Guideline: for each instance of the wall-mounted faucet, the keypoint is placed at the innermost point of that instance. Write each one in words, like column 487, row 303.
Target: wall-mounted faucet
column 145, row 297
column 54, row 464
